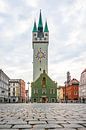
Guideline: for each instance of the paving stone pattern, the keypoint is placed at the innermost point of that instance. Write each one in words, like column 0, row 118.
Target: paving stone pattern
column 46, row 116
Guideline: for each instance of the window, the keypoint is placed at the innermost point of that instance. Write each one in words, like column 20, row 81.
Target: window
column 35, row 91
column 52, row 91
column 13, row 93
column 46, row 34
column 9, row 89
column 8, row 94
column 44, row 82
column 75, row 93
column 3, row 91
column 13, row 84
column 34, row 99
column 43, row 90
column 35, row 38
column 13, row 89
column 34, row 34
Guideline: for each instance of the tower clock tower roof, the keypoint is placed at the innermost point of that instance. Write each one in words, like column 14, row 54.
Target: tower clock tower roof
column 34, row 27
column 46, row 27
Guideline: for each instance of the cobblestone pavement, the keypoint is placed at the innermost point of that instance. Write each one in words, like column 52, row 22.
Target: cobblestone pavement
column 50, row 116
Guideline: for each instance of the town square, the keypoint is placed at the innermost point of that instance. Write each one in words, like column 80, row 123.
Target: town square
column 42, row 65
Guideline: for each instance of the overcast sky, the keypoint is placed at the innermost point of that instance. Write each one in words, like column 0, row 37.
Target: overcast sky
column 67, row 37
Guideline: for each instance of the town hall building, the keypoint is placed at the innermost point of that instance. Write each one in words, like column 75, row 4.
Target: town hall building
column 43, row 88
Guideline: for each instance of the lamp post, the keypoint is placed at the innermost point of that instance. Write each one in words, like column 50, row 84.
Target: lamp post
column 28, row 90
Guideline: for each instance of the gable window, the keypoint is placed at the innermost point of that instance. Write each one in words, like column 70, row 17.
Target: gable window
column 13, row 91
column 43, row 82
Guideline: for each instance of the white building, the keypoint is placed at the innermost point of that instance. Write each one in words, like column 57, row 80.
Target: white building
column 82, row 86
column 16, row 91
column 4, row 83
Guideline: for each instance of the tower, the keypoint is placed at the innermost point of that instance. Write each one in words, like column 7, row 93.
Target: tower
column 68, row 77
column 43, row 88
column 40, row 41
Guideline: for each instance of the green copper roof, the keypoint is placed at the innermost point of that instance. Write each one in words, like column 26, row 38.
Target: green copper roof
column 35, row 28
column 46, row 27
column 40, row 21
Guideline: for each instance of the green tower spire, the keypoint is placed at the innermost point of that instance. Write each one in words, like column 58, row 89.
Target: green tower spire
column 35, row 27
column 46, row 27
column 40, row 25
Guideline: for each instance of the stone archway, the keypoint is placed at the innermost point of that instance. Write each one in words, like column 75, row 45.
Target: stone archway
column 44, row 99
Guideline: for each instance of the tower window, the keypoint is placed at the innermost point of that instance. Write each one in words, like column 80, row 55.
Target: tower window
column 35, row 38
column 35, row 34
column 46, row 34
column 40, row 69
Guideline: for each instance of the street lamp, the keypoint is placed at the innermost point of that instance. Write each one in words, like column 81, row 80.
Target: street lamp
column 28, row 90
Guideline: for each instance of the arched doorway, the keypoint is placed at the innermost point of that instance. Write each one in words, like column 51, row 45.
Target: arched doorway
column 44, row 99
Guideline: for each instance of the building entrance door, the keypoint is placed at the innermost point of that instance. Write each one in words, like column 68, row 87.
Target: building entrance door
column 44, row 100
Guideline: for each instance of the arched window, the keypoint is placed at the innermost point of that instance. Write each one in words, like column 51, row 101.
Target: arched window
column 43, row 82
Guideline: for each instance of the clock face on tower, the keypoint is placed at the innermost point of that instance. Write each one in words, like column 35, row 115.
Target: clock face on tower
column 40, row 55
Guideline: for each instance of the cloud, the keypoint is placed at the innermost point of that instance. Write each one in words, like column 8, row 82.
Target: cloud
column 32, row 3
column 3, row 6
